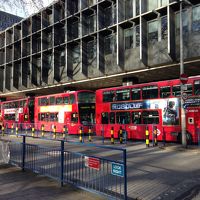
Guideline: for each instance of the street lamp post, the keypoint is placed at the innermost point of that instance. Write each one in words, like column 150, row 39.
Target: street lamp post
column 183, row 117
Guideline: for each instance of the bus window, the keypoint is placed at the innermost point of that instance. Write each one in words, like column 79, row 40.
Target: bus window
column 43, row 101
column 112, row 118
column 123, row 117
column 136, row 117
column 189, row 89
column 176, row 90
column 66, row 100
column 108, row 96
column 53, row 117
column 197, row 87
column 59, row 100
column 41, row 116
column 165, row 92
column 74, row 117
column 71, row 99
column 86, row 97
column 122, row 95
column 150, row 92
column 21, row 103
column 150, row 117
column 51, row 100
column 104, row 118
column 135, row 94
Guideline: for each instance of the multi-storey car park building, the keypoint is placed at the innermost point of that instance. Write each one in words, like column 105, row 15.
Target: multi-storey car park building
column 96, row 43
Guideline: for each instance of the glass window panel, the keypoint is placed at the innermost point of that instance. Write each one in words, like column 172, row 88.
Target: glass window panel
column 52, row 100
column 86, row 97
column 112, row 118
column 153, row 31
column 123, row 117
column 189, row 89
column 76, row 55
column 150, row 92
column 164, row 27
column 128, row 9
column 137, row 7
column 59, row 100
column 165, row 92
column 66, row 100
column 135, row 93
column 108, row 96
column 197, row 87
column 185, row 22
column 71, row 99
column 122, row 95
column 137, row 36
column 152, row 4
column 110, row 44
column 128, row 38
column 104, row 118
column 74, row 117
column 176, row 90
column 150, row 117
column 196, row 19
column 164, row 2
column 136, row 118
column 43, row 101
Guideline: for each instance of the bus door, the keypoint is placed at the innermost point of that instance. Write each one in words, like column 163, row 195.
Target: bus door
column 193, row 122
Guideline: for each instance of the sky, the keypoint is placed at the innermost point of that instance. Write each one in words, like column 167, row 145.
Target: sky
column 18, row 10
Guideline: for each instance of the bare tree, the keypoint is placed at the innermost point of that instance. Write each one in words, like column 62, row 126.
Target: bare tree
column 26, row 6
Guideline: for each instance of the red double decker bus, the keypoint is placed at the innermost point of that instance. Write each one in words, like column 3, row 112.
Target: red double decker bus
column 73, row 109
column 149, row 105
column 20, row 111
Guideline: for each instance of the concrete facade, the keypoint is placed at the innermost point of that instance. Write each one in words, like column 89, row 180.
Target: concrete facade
column 92, row 44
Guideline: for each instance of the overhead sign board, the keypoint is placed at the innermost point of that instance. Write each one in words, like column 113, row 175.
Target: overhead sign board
column 117, row 169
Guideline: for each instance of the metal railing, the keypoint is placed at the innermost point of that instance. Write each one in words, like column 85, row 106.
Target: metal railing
column 101, row 169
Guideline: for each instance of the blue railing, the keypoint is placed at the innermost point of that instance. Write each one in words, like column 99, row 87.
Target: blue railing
column 101, row 169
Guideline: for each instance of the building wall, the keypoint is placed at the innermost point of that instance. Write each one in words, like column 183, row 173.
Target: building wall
column 81, row 39
column 7, row 20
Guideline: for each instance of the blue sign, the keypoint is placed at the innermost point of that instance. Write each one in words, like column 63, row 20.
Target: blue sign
column 117, row 169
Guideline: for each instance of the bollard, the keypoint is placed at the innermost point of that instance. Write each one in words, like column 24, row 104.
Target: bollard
column 42, row 127
column 65, row 131
column 89, row 134
column 2, row 130
column 33, row 132
column 155, row 136
column 120, row 135
column 164, row 137
column 80, row 136
column 147, row 136
column 16, row 130
column 12, row 128
column 112, row 135
column 54, row 132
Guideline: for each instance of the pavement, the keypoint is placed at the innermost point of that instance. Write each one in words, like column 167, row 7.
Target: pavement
column 18, row 185
column 168, row 172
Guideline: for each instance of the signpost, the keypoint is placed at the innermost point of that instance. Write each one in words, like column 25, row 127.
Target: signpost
column 183, row 78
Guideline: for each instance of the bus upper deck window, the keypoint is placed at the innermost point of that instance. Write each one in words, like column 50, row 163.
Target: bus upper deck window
column 176, row 90
column 52, row 100
column 108, row 96
column 189, row 89
column 66, row 100
column 59, row 100
column 197, row 87
column 71, row 99
column 43, row 101
column 165, row 92
column 123, row 95
column 150, row 92
column 135, row 94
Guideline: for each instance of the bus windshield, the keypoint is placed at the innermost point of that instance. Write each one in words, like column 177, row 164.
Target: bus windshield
column 86, row 97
